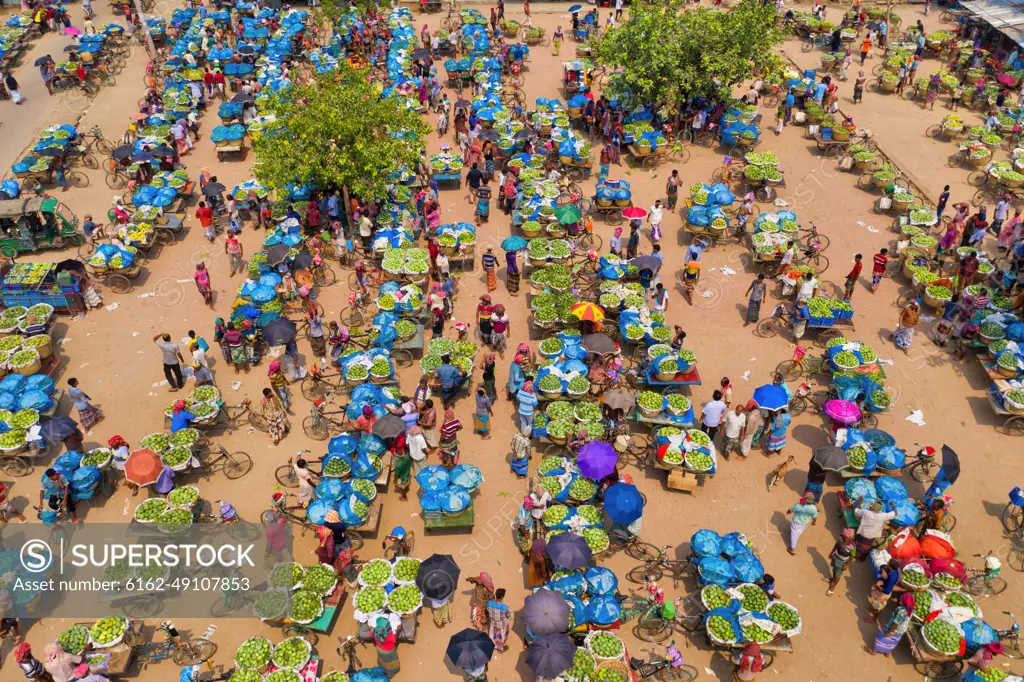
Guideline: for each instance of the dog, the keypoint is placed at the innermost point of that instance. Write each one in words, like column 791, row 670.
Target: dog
column 780, row 472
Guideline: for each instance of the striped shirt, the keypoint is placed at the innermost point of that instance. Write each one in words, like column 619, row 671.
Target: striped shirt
column 527, row 403
column 489, row 260
column 450, row 428
column 880, row 262
column 32, row 668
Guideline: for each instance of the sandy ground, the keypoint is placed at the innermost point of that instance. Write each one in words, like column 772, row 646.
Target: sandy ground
column 111, row 353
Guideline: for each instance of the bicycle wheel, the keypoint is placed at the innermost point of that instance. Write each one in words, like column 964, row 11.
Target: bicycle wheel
column 142, row 607
column 194, row 652
column 641, row 574
column 352, row 317
column 924, row 470
column 938, row 670
column 684, row 673
column 77, row 179
column 103, row 146
column 652, row 629
column 789, row 370
column 704, row 139
column 355, row 539
column 315, row 428
column 771, row 101
column 15, row 466
column 797, row 405
column 769, row 328
column 1011, row 647
column 89, row 161
column 986, row 587
column 1012, row 518
column 299, row 631
column 258, row 422
column 402, row 357
column 807, row 46
column 236, row 465
column 692, row 615
column 642, row 551
column 957, row 160
column 221, row 608
column 119, row 284
column 869, row 421
column 285, row 475
column 312, row 389
column 116, row 181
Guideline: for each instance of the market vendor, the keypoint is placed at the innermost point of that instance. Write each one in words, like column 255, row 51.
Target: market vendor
column 801, row 316
column 180, row 418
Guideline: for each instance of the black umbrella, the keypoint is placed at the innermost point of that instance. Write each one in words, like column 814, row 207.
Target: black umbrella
column 551, row 655
column 213, row 189
column 831, row 458
column 272, row 4
column 490, row 135
column 71, row 48
column 619, row 399
column 57, row 429
column 279, row 332
column 303, row 260
column 388, row 426
column 526, row 134
column 49, row 151
column 420, row 54
column 645, row 262
column 43, row 60
column 143, row 156
column 70, row 264
column 438, row 576
column 241, row 98
column 598, row 343
column 122, row 152
column 246, row 50
column 161, row 151
column 569, row 551
column 950, row 465
column 277, row 253
column 471, row 648
column 546, row 612
column 461, row 104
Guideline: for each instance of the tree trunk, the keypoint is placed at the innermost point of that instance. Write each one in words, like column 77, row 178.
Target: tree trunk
column 349, row 227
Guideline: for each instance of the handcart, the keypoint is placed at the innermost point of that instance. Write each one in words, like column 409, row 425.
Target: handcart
column 119, row 281
column 437, row 520
column 1014, row 423
column 402, row 350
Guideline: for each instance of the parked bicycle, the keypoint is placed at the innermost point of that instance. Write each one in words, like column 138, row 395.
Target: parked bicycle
column 655, row 569
column 986, row 582
column 666, row 668
column 181, row 652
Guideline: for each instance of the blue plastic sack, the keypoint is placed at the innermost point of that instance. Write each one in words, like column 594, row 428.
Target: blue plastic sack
column 698, row 215
column 8, row 401
column 601, row 580
column 467, row 476
column 85, row 479
column 734, row 544
column 858, row 487
column 907, row 514
column 454, row 499
column 362, row 467
column 36, row 400
column 891, row 457
column 716, row 570
column 433, row 477
column 579, row 609
column 603, row 610
column 13, row 383
column 330, row 489
column 730, row 614
column 374, row 674
column 70, row 461
column 747, row 567
column 428, row 501
column 890, row 489
column 570, row 584
column 706, row 543
column 370, row 444
column 978, row 633
column 341, row 445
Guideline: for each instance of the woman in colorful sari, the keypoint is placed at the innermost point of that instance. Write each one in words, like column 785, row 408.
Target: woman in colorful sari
column 890, row 635
column 403, row 469
column 483, row 593
column 538, row 568
column 386, row 642
column 500, row 626
column 273, row 412
column 511, row 273
column 777, row 432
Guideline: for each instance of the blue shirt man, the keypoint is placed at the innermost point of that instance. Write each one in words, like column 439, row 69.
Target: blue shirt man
column 88, row 227
column 332, row 206
column 448, row 374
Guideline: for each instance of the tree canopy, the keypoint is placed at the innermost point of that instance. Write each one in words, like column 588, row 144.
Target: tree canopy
column 671, row 51
column 338, row 132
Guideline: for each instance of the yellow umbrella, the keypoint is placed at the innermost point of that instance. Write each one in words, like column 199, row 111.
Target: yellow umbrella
column 588, row 311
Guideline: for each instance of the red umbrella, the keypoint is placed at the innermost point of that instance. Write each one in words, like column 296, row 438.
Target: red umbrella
column 634, row 212
column 1006, row 79
column 143, row 467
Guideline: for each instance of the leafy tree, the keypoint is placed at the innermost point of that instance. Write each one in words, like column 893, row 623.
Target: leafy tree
column 338, row 132
column 669, row 52
column 331, row 10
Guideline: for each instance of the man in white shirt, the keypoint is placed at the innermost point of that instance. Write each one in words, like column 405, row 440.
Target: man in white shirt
column 751, row 96
column 808, row 288
column 735, row 431
column 712, row 415
column 787, row 259
column 872, row 525
column 540, row 498
column 365, row 231
column 618, row 8
column 654, row 217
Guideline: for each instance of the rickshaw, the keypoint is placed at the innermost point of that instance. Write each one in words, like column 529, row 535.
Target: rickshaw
column 36, row 223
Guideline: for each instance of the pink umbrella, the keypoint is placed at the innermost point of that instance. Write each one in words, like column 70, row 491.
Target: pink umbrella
column 72, row 31
column 634, row 213
column 842, row 411
column 1006, row 79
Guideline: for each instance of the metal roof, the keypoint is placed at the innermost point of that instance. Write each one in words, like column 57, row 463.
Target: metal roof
column 1003, row 15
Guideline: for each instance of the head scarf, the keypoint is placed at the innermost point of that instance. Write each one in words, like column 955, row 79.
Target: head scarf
column 179, row 405
column 381, row 629
column 274, row 367
column 116, row 442
column 750, row 660
column 847, row 535
column 449, row 414
column 528, row 387
column 489, row 358
column 332, row 516
column 618, row 231
column 367, row 411
column 907, row 601
column 486, row 581
column 21, row 651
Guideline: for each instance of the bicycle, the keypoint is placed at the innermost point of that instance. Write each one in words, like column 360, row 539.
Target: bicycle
column 317, row 385
column 1010, row 638
column 232, row 416
column 667, row 668
column 804, row 398
column 818, row 40
column 182, row 653
column 285, row 474
column 1013, row 513
column 986, row 582
column 802, row 362
column 347, row 649
column 655, row 569
column 323, row 274
column 320, row 424
column 58, row 534
column 399, row 547
column 353, row 316
column 279, row 510
column 633, row 546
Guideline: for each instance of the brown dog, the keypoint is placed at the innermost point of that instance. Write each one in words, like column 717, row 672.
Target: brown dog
column 780, row 472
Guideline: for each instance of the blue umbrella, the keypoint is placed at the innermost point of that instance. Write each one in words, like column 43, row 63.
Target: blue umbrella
column 514, row 243
column 771, row 397
column 470, row 649
column 575, row 8
column 623, row 503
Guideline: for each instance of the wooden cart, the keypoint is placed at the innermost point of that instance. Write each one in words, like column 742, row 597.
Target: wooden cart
column 441, row 521
column 325, row 623
column 122, row 654
column 933, row 667
column 402, row 351
column 1014, row 423
column 238, row 148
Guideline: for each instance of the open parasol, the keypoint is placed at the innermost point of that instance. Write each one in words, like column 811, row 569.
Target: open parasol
column 623, row 503
column 646, row 263
column 388, row 426
column 213, row 189
column 143, row 467
column 634, row 213
column 573, row 9
column 569, row 551
column 514, row 243
column 72, row 31
column 831, row 458
column 950, row 465
column 567, row 215
column 770, row 397
column 302, row 260
column 438, row 576
column 470, row 648
column 598, row 343
column 545, row 612
column 551, row 655
column 57, row 429
column 277, row 253
column 279, row 332
column 596, row 460
column 587, row 311
column 842, row 411
column 619, row 399
column 242, row 98
column 122, row 152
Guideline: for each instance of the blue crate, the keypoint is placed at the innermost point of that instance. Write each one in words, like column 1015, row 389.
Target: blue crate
column 843, row 314
column 821, row 321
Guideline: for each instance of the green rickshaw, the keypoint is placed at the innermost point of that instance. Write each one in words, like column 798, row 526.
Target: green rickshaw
column 36, row 223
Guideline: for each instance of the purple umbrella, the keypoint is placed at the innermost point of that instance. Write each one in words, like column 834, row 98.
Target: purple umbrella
column 569, row 551
column 842, row 411
column 596, row 460
column 546, row 612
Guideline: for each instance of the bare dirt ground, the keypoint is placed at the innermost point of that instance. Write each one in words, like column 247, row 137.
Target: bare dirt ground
column 110, row 352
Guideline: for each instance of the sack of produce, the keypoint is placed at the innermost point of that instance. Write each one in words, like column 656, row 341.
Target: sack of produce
column 722, row 624
column 601, row 580
column 706, row 543
column 904, row 545
column 715, row 570
column 747, row 567
column 603, row 609
column 937, row 545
